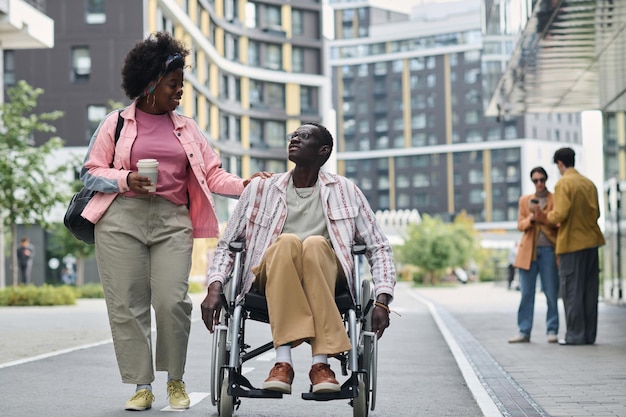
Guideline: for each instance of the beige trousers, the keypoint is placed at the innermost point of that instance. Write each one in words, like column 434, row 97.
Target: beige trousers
column 299, row 279
column 143, row 249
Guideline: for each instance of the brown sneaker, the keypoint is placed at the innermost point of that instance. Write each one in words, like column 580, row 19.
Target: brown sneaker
column 280, row 379
column 323, row 378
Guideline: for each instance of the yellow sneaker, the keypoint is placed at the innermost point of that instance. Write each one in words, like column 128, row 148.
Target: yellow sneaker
column 179, row 400
column 142, row 400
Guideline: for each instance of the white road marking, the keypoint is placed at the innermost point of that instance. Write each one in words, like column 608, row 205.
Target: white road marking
column 194, row 398
column 54, row 353
column 484, row 401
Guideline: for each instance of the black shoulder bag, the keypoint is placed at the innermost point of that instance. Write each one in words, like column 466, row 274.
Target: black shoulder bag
column 81, row 228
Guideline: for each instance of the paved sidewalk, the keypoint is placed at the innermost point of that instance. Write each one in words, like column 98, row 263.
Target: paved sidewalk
column 562, row 380
column 553, row 380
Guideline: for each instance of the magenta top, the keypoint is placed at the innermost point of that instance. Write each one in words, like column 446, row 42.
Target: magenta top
column 156, row 139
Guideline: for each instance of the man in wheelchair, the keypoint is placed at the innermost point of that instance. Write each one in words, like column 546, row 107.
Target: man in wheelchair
column 299, row 228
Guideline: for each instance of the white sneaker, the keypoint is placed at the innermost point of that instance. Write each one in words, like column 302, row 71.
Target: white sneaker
column 520, row 338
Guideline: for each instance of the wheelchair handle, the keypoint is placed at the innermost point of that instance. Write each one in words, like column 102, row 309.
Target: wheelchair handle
column 237, row 246
column 359, row 249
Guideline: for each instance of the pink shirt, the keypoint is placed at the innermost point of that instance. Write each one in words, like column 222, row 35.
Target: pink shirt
column 155, row 140
column 206, row 175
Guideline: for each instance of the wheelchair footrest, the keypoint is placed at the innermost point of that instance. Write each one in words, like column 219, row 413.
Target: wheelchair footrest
column 255, row 393
column 348, row 390
column 240, row 386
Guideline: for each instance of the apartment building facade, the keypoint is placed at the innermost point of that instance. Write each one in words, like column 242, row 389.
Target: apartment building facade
column 409, row 93
column 255, row 71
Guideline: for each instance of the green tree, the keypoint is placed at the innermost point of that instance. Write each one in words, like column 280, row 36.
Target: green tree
column 30, row 180
column 435, row 246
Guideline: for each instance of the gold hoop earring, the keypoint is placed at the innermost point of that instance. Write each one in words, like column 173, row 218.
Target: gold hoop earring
column 153, row 100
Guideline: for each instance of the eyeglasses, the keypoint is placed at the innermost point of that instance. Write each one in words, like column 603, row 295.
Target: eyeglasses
column 303, row 135
column 536, row 180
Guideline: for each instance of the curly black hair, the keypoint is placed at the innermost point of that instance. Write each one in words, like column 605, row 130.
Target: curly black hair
column 146, row 61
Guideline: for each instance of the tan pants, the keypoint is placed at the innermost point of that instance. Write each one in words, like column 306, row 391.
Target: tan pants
column 299, row 280
column 143, row 249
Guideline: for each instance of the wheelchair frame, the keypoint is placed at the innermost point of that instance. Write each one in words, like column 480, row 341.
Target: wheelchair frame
column 230, row 352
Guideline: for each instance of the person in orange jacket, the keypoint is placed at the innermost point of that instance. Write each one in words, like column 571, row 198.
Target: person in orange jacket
column 535, row 255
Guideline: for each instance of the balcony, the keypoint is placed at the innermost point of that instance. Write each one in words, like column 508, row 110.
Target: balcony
column 22, row 26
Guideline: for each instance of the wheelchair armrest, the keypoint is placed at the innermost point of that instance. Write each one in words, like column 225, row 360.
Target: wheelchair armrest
column 237, row 246
column 359, row 249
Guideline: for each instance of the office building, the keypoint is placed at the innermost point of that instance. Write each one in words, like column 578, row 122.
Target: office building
column 408, row 90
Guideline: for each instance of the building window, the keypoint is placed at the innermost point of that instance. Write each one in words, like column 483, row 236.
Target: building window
column 472, row 56
column 250, row 15
column 476, row 176
column 398, row 65
column 471, row 76
column 275, row 95
column 362, row 70
column 493, row 133
column 308, row 100
column 253, row 54
column 416, row 64
column 9, row 68
column 472, row 117
column 454, row 60
column 297, row 22
column 81, row 64
column 273, row 59
column 380, row 68
column 256, row 93
column 421, row 180
column 510, row 132
column 95, row 114
column 349, row 126
column 272, row 17
column 231, row 47
column 476, row 196
column 418, row 121
column 381, row 125
column 297, row 60
column 94, row 12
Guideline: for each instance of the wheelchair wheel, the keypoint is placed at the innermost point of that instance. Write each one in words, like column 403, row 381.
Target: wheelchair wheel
column 360, row 403
column 226, row 403
column 367, row 294
column 220, row 356
column 369, row 347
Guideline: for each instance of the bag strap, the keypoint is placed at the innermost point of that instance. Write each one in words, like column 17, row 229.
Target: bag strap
column 118, row 130
column 120, row 125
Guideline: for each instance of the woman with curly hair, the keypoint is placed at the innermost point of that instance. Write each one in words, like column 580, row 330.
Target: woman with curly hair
column 144, row 238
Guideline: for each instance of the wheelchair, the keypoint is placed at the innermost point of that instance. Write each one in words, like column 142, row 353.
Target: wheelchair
column 230, row 351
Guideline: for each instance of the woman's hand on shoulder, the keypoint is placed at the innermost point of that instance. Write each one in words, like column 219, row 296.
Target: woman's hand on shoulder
column 262, row 174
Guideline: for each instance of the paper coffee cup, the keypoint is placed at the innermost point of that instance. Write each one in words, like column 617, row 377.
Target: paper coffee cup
column 149, row 168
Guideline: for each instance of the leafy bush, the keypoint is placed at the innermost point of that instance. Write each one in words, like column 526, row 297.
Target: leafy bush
column 30, row 295
column 196, row 287
column 90, row 291
column 50, row 295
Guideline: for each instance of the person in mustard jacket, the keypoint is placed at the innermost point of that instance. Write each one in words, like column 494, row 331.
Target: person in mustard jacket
column 576, row 210
column 535, row 255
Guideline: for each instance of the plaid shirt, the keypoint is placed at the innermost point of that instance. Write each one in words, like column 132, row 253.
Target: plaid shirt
column 260, row 216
